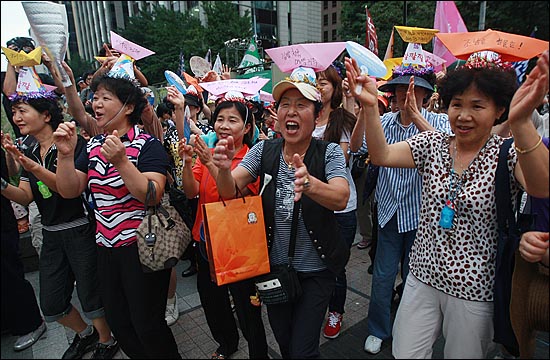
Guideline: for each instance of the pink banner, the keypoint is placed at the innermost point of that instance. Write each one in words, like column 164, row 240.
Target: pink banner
column 447, row 20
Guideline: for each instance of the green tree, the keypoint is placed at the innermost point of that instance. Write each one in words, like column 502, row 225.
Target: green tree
column 80, row 65
column 513, row 17
column 167, row 33
column 219, row 15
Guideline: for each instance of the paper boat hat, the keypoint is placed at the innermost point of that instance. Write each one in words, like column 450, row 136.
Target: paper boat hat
column 245, row 86
column 129, row 48
column 123, row 68
column 22, row 58
column 414, row 61
column 29, row 86
column 317, row 56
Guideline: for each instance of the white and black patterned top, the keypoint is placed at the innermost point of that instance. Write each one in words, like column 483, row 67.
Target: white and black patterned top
column 306, row 258
column 458, row 261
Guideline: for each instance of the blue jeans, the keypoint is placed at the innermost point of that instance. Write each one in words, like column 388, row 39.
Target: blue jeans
column 391, row 246
column 347, row 224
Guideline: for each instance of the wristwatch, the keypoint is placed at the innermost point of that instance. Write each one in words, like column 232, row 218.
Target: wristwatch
column 4, row 184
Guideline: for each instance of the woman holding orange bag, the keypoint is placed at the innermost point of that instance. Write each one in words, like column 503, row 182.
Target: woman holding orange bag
column 232, row 117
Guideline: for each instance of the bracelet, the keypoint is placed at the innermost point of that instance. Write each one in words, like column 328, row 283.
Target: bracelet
column 527, row 151
column 4, row 184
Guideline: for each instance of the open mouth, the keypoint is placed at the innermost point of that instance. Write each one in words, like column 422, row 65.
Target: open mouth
column 292, row 126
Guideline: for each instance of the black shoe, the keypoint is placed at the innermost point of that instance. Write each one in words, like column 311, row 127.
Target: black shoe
column 103, row 351
column 190, row 271
column 81, row 346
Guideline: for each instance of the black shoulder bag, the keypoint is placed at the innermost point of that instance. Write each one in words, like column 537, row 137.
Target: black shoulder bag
column 282, row 285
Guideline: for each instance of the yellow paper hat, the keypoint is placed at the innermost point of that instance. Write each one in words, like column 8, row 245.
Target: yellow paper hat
column 22, row 58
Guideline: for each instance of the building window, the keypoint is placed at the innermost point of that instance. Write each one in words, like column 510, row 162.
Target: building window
column 334, row 3
column 325, row 36
column 325, row 5
column 334, row 18
column 325, row 20
column 334, row 35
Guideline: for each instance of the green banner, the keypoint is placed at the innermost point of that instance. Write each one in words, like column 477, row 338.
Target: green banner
column 265, row 74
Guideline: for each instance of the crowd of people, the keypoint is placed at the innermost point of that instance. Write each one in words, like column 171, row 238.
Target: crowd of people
column 408, row 167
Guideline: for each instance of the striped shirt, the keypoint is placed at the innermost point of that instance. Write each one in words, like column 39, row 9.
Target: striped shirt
column 306, row 258
column 117, row 211
column 398, row 189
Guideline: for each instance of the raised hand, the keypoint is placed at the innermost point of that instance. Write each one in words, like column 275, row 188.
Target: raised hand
column 27, row 164
column 369, row 92
column 301, row 175
column 175, row 97
column 203, row 151
column 65, row 138
column 531, row 93
column 226, row 72
column 113, row 149
column 185, row 151
column 224, row 153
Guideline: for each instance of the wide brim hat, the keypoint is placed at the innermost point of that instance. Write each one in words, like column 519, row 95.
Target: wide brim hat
column 303, row 79
column 404, row 80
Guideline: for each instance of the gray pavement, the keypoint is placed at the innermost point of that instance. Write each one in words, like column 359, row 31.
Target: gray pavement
column 195, row 341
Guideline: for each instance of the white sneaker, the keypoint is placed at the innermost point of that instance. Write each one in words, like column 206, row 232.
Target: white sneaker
column 172, row 312
column 373, row 344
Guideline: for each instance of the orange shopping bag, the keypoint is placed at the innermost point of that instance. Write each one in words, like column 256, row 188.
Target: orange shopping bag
column 235, row 239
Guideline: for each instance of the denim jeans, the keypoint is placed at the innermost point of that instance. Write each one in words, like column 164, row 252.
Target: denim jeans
column 390, row 248
column 347, row 224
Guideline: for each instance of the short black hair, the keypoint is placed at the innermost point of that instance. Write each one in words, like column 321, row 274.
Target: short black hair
column 496, row 83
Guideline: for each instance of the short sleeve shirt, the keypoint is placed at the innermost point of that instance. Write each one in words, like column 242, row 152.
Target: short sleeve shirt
column 459, row 261
column 117, row 211
column 306, row 258
column 54, row 210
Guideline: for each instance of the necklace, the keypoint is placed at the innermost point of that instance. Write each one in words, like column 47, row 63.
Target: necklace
column 290, row 163
column 456, row 182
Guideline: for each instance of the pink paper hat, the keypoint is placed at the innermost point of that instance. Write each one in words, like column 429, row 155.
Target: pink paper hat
column 29, row 86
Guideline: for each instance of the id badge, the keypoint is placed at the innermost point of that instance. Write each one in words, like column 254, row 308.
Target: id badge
column 447, row 216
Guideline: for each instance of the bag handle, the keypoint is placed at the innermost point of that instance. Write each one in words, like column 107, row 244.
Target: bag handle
column 237, row 193
column 293, row 232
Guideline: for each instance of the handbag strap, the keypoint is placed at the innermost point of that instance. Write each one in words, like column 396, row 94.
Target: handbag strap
column 293, row 231
column 505, row 212
column 151, row 194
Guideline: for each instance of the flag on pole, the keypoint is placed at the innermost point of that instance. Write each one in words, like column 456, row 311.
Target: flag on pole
column 521, row 66
column 218, row 65
column 208, row 56
column 447, row 20
column 389, row 49
column 181, row 66
column 371, row 42
column 251, row 57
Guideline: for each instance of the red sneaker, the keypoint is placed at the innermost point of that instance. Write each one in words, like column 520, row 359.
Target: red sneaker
column 333, row 325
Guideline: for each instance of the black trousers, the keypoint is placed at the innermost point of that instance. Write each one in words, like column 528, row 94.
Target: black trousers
column 135, row 304
column 297, row 325
column 219, row 316
column 20, row 312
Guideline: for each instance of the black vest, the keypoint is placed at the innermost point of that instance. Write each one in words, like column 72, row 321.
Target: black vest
column 320, row 222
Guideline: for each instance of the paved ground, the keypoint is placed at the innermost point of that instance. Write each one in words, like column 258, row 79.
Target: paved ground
column 195, row 342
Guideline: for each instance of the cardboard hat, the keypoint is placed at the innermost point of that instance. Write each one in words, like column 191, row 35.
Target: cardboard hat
column 29, row 86
column 414, row 62
column 303, row 79
column 123, row 68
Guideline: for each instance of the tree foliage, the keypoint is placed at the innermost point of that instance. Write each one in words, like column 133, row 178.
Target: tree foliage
column 168, row 32
column 513, row 17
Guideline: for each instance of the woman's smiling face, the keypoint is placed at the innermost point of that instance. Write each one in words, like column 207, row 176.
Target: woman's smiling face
column 230, row 123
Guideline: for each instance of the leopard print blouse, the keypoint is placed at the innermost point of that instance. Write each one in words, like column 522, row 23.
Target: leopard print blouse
column 459, row 261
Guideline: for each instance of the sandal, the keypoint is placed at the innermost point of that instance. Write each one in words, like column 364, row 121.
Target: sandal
column 217, row 355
